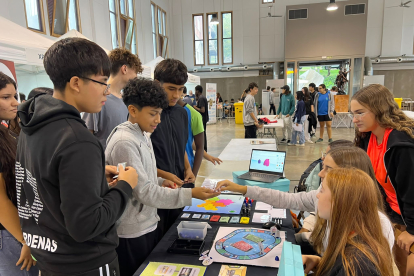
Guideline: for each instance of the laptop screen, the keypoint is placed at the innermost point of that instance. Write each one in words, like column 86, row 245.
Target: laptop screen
column 268, row 161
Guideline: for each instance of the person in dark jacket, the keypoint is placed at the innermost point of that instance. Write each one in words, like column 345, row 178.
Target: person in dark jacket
column 170, row 137
column 356, row 246
column 299, row 119
column 386, row 134
column 67, row 211
column 310, row 109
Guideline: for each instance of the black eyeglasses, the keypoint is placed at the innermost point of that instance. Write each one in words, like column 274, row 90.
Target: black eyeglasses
column 107, row 85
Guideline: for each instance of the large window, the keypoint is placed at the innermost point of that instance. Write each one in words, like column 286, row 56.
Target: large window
column 122, row 18
column 227, row 38
column 198, row 35
column 63, row 16
column 213, row 52
column 34, row 15
column 159, row 31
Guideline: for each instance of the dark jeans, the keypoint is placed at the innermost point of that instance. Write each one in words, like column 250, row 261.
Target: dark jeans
column 272, row 107
column 133, row 252
column 250, row 132
column 111, row 269
column 205, row 135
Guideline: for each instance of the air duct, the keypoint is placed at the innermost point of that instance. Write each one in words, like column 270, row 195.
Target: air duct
column 247, row 67
column 385, row 60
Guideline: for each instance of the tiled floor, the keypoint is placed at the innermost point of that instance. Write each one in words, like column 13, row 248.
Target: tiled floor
column 297, row 159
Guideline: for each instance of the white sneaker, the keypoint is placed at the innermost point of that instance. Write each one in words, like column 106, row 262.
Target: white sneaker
column 300, row 145
column 290, row 144
column 309, row 141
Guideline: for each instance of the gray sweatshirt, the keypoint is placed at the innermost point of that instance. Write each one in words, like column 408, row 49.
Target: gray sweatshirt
column 249, row 106
column 307, row 201
column 127, row 143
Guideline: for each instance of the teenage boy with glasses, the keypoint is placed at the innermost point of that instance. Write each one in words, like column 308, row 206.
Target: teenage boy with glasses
column 67, row 211
column 124, row 67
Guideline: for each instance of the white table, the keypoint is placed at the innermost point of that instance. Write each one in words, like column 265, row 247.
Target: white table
column 268, row 127
column 241, row 149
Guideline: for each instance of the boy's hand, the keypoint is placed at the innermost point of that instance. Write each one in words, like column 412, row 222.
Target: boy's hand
column 227, row 185
column 174, row 178
column 203, row 193
column 213, row 159
column 25, row 259
column 110, row 172
column 169, row 184
column 128, row 175
column 189, row 176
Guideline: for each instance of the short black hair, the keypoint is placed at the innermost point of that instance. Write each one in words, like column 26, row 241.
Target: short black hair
column 185, row 90
column 171, row 71
column 268, row 88
column 312, row 85
column 120, row 57
column 199, row 88
column 300, row 96
column 142, row 92
column 40, row 91
column 252, row 85
column 75, row 56
column 5, row 80
column 22, row 97
column 323, row 86
column 287, row 89
column 272, row 89
column 232, row 100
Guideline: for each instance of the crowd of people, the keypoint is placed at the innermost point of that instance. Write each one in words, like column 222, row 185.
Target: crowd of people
column 91, row 178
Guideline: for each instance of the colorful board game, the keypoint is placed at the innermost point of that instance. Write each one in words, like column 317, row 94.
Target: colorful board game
column 247, row 246
column 167, row 269
column 222, row 204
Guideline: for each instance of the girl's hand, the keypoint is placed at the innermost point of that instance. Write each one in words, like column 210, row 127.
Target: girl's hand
column 405, row 240
column 26, row 258
column 310, row 262
column 213, row 159
column 227, row 185
column 174, row 178
column 169, row 184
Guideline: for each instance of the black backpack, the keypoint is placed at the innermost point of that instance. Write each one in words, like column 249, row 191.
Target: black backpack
column 301, row 187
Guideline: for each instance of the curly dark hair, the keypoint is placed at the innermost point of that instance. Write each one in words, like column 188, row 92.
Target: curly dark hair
column 252, row 85
column 120, row 57
column 171, row 71
column 199, row 88
column 142, row 92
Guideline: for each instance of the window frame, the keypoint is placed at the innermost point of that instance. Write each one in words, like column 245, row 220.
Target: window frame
column 159, row 23
column 208, row 39
column 222, row 38
column 194, row 40
column 121, row 42
column 42, row 19
column 78, row 15
column 52, row 26
column 154, row 17
column 263, row 2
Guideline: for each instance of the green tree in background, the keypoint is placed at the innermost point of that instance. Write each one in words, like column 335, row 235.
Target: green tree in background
column 227, row 38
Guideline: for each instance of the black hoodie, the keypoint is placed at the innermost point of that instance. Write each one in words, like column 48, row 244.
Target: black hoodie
column 66, row 209
column 399, row 164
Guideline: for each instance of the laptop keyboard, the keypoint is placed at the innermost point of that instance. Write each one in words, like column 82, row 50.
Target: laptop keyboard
column 261, row 175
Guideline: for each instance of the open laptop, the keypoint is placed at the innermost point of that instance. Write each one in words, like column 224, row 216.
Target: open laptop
column 265, row 166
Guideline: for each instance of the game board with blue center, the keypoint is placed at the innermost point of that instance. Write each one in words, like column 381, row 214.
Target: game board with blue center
column 245, row 244
column 222, row 204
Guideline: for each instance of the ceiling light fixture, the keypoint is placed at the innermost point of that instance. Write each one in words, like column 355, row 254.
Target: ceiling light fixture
column 332, row 6
column 214, row 19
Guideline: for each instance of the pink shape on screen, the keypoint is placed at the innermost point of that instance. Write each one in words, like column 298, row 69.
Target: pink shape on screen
column 225, row 201
column 266, row 163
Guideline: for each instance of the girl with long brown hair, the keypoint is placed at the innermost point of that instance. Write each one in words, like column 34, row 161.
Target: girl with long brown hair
column 348, row 210
column 14, row 253
column 386, row 134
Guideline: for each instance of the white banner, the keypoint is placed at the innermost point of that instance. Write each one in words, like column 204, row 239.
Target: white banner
column 35, row 56
column 211, row 89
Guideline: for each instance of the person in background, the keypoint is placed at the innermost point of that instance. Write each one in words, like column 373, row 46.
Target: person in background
column 299, row 119
column 324, row 108
column 232, row 101
column 202, row 107
column 272, row 101
column 334, row 89
column 250, row 120
column 286, row 107
column 40, row 91
column 226, row 108
column 67, row 211
column 170, row 137
column 22, row 97
column 124, row 67
column 356, row 244
column 312, row 91
column 218, row 98
column 310, row 108
column 192, row 97
column 15, row 255
column 129, row 143
column 386, row 134
column 187, row 98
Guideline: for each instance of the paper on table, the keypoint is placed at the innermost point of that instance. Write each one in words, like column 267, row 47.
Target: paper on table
column 260, row 217
column 212, row 183
column 262, row 206
column 277, row 213
column 299, row 127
